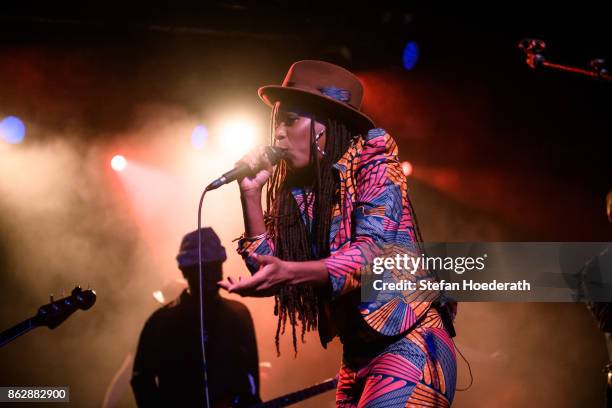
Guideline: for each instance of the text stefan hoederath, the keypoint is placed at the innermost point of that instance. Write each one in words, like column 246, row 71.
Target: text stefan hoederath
column 459, row 265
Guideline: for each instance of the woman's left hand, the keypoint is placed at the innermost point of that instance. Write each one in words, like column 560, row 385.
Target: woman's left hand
column 272, row 275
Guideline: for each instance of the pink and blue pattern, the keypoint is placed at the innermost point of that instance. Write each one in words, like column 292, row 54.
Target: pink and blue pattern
column 372, row 216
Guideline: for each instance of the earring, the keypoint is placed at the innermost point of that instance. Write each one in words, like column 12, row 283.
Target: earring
column 317, row 137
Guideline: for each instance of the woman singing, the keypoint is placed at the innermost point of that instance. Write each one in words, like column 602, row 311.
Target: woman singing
column 336, row 201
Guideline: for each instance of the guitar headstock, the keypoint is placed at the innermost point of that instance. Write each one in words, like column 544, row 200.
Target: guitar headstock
column 53, row 314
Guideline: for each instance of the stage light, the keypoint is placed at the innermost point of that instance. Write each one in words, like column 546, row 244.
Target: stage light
column 199, row 136
column 410, row 56
column 118, row 163
column 237, row 136
column 406, row 168
column 12, row 130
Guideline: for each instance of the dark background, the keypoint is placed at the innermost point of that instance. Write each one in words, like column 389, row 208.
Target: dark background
column 500, row 152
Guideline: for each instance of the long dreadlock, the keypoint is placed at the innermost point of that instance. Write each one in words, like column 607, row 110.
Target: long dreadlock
column 293, row 240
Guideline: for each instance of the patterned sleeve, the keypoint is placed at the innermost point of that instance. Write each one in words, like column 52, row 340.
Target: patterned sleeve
column 380, row 216
column 260, row 246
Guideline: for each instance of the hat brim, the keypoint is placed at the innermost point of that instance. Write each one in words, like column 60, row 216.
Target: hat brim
column 271, row 94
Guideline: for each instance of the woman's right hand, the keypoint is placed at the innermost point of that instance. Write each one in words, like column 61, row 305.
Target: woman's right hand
column 256, row 159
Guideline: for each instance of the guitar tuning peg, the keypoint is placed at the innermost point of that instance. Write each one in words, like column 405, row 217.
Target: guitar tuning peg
column 51, row 298
column 63, row 292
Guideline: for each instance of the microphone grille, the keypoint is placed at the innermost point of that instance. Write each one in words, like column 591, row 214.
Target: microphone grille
column 274, row 154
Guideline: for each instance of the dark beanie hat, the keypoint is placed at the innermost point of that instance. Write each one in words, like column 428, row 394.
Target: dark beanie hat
column 212, row 250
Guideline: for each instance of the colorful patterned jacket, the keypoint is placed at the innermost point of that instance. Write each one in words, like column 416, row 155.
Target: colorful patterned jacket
column 373, row 213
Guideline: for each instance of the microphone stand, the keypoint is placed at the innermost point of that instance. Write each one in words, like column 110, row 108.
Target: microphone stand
column 533, row 49
column 203, row 334
column 274, row 155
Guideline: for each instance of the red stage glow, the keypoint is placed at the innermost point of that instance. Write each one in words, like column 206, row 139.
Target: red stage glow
column 406, row 168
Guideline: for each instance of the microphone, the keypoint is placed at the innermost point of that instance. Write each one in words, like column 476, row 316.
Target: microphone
column 273, row 154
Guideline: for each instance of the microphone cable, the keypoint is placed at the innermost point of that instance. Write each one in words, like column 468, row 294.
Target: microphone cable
column 203, row 335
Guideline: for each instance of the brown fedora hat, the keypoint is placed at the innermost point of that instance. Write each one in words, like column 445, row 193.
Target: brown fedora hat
column 322, row 86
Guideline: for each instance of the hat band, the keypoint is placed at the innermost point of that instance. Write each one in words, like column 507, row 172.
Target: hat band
column 339, row 94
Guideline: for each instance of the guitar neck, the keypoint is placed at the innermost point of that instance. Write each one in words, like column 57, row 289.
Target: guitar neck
column 298, row 395
column 52, row 314
column 22, row 328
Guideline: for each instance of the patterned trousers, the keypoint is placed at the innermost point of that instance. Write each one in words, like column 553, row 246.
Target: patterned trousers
column 418, row 370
